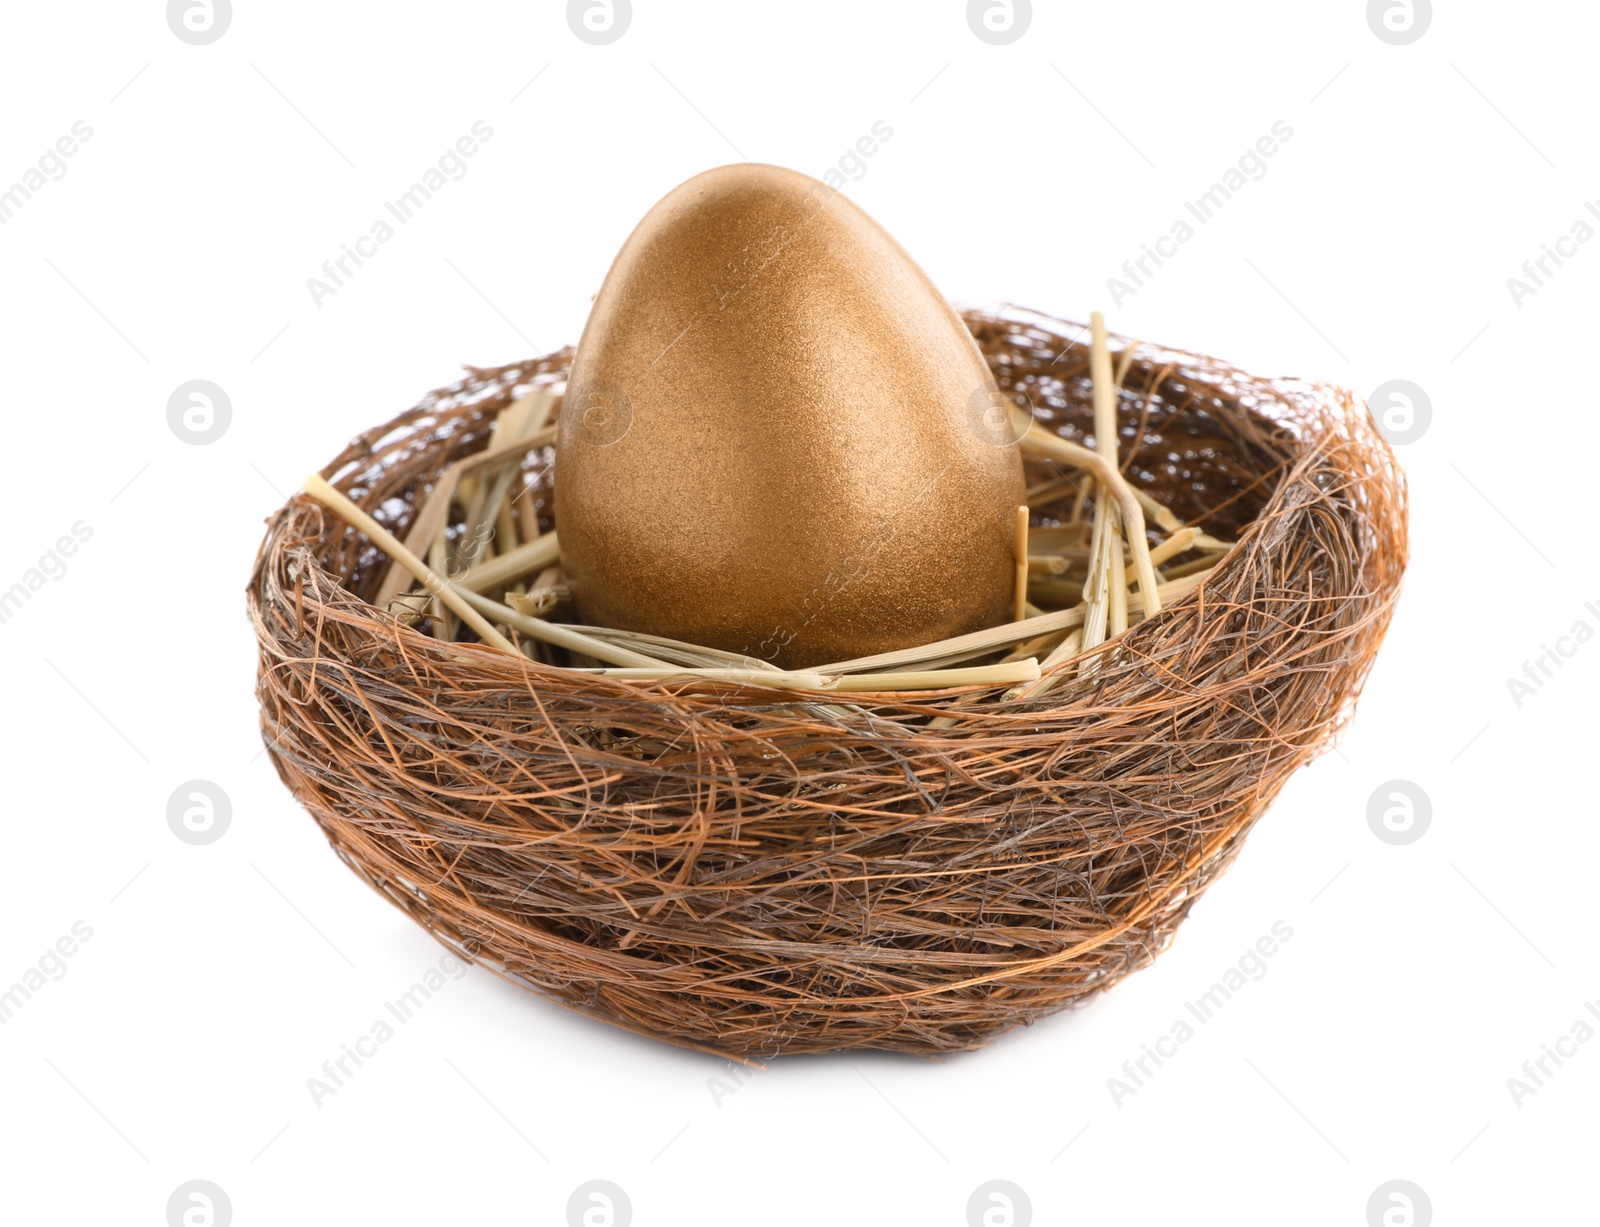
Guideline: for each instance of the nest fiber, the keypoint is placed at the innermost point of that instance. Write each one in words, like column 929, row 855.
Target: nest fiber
column 757, row 872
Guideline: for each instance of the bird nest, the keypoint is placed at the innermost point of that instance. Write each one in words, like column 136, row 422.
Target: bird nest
column 751, row 870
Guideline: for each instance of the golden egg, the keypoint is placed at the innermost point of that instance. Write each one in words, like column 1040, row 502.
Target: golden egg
column 778, row 439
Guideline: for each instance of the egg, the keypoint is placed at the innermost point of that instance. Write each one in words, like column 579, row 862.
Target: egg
column 778, row 439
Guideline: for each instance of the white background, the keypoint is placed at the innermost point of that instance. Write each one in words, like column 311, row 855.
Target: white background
column 218, row 979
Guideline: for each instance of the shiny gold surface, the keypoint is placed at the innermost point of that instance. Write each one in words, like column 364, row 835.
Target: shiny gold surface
column 777, row 438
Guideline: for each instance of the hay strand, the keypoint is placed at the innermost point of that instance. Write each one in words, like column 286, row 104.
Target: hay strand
column 334, row 501
column 1020, row 595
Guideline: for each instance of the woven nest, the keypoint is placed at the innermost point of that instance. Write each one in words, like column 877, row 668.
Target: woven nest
column 753, row 873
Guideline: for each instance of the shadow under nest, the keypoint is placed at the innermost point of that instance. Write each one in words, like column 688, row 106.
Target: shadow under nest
column 755, row 873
